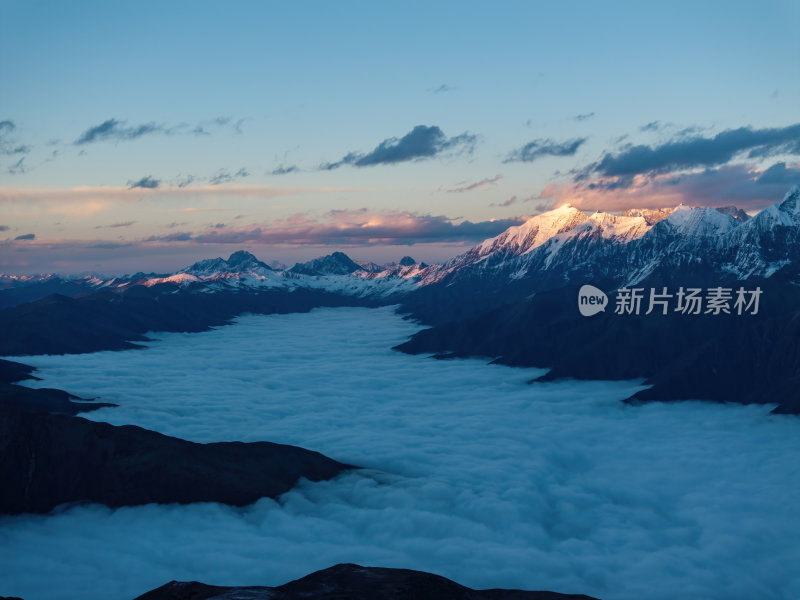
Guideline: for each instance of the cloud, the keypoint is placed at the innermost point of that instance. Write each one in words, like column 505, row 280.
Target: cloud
column 652, row 126
column 8, row 146
column 115, row 225
column 443, row 89
column 147, row 182
column 509, row 202
column 516, row 199
column 780, row 174
column 738, row 183
column 284, row 170
column 118, row 130
column 422, row 142
column 584, row 117
column 109, row 245
column 86, row 200
column 544, row 147
column 476, row 185
column 178, row 236
column 350, row 228
column 18, row 167
column 27, row 236
column 184, row 181
column 202, row 128
column 224, row 176
column 552, row 485
column 692, row 152
column 4, row 227
column 114, row 130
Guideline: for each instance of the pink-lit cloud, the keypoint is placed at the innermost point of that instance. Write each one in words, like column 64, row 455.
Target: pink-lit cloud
column 87, row 201
column 348, row 228
column 738, row 184
column 301, row 235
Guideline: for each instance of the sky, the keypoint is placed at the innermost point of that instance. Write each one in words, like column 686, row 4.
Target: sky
column 147, row 135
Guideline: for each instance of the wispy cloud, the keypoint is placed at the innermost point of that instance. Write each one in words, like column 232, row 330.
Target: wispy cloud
column 284, row 170
column 185, row 181
column 112, row 129
column 85, row 200
column 116, row 130
column 8, row 145
column 422, row 142
column 115, row 225
column 26, row 236
column 506, row 203
column 485, row 182
column 652, row 126
column 18, row 167
column 441, row 89
column 544, row 147
column 584, row 116
column 224, row 176
column 147, row 182
column 515, row 200
column 205, row 127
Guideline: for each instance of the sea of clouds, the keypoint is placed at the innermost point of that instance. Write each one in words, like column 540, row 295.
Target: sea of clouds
column 471, row 473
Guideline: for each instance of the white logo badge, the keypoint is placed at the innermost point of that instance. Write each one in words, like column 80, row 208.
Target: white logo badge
column 591, row 300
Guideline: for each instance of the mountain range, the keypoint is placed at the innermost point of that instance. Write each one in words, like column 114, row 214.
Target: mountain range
column 530, row 272
column 556, row 246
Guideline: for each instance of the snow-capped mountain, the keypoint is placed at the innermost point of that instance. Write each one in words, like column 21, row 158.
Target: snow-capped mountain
column 650, row 215
column 565, row 243
column 768, row 241
column 238, row 262
column 513, row 242
column 554, row 248
column 336, row 273
column 337, row 263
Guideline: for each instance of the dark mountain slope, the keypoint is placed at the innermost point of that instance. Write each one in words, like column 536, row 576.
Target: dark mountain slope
column 352, row 582
column 40, row 399
column 116, row 320
column 47, row 460
column 725, row 358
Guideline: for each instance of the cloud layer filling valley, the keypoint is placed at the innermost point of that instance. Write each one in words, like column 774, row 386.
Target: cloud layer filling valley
column 471, row 473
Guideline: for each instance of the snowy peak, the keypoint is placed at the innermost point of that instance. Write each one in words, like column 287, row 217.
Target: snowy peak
column 534, row 232
column 650, row 215
column 242, row 260
column 791, row 204
column 337, row 263
column 785, row 213
column 238, row 262
column 698, row 221
column 618, row 228
column 177, row 279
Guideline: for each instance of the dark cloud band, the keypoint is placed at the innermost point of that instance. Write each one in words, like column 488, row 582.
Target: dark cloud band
column 697, row 152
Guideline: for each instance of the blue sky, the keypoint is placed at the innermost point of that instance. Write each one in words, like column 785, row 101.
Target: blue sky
column 133, row 135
